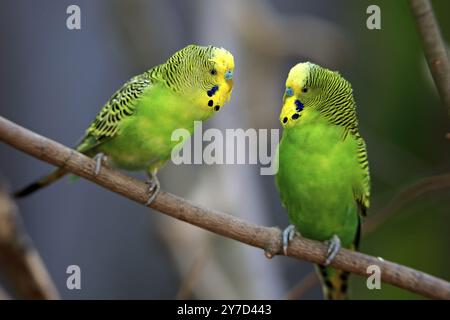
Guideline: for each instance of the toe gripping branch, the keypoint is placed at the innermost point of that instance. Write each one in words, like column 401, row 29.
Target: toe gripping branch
column 334, row 244
column 153, row 187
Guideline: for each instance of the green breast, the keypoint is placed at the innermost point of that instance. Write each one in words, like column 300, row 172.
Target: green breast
column 317, row 172
column 144, row 139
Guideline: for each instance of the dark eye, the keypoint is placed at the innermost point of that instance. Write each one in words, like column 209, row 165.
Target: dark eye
column 304, row 89
column 213, row 72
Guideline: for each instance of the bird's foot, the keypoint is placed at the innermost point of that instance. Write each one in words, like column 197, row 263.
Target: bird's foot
column 288, row 234
column 334, row 245
column 100, row 159
column 153, row 187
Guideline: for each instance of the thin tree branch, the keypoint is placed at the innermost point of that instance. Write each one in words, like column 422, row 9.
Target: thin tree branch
column 18, row 259
column 404, row 197
column 268, row 239
column 434, row 47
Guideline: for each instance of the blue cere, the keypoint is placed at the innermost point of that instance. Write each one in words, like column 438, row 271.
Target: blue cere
column 299, row 105
column 289, row 92
column 212, row 91
column 229, row 75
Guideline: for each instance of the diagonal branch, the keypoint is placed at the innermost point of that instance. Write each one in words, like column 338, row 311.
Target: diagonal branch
column 434, row 47
column 406, row 196
column 268, row 239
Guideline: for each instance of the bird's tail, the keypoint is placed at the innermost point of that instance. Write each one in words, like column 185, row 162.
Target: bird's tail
column 334, row 283
column 41, row 183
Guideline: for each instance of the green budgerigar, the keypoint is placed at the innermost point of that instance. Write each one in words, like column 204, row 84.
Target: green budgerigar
column 133, row 130
column 323, row 176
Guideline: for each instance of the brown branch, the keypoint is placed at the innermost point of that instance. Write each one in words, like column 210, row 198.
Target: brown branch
column 223, row 224
column 18, row 259
column 434, row 47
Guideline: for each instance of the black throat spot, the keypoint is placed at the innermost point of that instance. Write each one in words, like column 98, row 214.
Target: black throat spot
column 212, row 91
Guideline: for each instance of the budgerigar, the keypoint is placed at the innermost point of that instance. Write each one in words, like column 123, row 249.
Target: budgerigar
column 133, row 130
column 323, row 175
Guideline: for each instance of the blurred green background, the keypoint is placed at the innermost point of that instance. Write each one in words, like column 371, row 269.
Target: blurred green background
column 54, row 81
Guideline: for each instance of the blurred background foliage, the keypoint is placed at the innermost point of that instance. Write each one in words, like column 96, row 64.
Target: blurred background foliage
column 54, row 81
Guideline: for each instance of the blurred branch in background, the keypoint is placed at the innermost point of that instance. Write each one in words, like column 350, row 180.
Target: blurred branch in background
column 192, row 277
column 406, row 196
column 194, row 255
column 226, row 225
column 20, row 262
column 434, row 47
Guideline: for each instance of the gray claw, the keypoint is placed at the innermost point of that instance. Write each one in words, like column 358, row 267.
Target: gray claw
column 334, row 245
column 99, row 158
column 288, row 235
column 153, row 187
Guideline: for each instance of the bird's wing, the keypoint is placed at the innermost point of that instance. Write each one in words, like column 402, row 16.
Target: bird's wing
column 120, row 106
column 361, row 190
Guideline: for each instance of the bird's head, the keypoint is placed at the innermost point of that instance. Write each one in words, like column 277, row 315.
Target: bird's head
column 207, row 73
column 212, row 77
column 221, row 73
column 311, row 90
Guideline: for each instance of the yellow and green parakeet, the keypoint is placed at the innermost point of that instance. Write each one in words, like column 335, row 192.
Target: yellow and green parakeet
column 323, row 175
column 133, row 130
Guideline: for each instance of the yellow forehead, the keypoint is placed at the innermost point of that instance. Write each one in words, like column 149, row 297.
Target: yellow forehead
column 223, row 59
column 298, row 75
